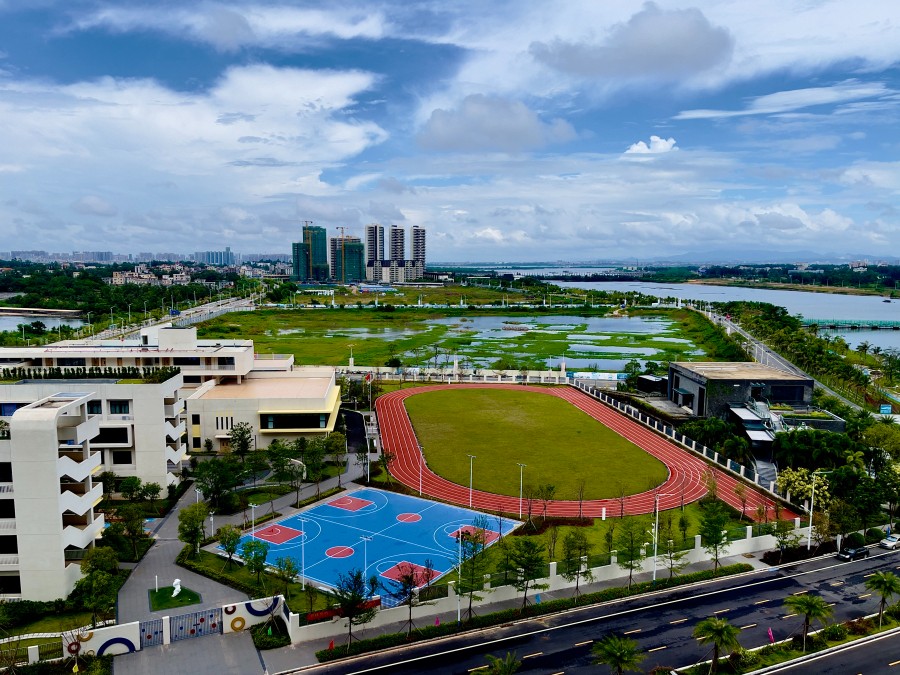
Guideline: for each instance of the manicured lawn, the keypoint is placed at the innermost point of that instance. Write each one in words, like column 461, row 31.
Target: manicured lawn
column 53, row 624
column 162, row 599
column 559, row 444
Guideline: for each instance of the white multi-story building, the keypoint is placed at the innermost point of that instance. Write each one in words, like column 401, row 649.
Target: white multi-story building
column 76, row 408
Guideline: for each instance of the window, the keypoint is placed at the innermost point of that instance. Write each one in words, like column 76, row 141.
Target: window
column 10, row 583
column 95, row 407
column 6, row 472
column 121, row 457
column 111, row 435
column 195, row 443
column 7, row 508
column 70, row 362
column 186, row 361
column 226, row 360
column 8, row 409
column 119, row 407
column 294, row 421
column 9, row 544
column 195, row 419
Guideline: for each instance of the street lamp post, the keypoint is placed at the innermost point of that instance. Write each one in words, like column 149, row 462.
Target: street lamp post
column 656, row 530
column 812, row 503
column 459, row 537
column 129, row 313
column 421, row 459
column 253, row 521
column 471, row 459
column 303, row 553
column 521, row 474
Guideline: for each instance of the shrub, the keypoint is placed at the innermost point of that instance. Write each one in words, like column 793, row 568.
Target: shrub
column 742, row 659
column 834, row 632
column 855, row 540
column 873, row 535
column 813, row 642
column 262, row 638
column 861, row 626
column 893, row 612
column 770, row 650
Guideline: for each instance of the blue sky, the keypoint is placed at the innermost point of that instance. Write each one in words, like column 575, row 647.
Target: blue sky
column 512, row 130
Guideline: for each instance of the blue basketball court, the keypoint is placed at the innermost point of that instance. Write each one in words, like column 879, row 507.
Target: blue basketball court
column 378, row 532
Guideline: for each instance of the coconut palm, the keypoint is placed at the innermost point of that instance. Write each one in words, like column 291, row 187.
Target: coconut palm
column 619, row 653
column 508, row 665
column 812, row 607
column 722, row 635
column 886, row 584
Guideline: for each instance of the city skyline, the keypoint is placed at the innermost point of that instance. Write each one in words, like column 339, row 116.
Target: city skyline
column 513, row 132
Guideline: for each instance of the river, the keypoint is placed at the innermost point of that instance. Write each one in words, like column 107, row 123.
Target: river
column 807, row 304
column 12, row 321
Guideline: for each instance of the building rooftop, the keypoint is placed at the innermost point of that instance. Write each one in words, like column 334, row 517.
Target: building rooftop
column 276, row 387
column 736, row 370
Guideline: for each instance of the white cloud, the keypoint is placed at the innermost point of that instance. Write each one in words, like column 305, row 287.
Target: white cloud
column 93, row 205
column 797, row 99
column 231, row 26
column 491, row 123
column 657, row 146
column 654, row 43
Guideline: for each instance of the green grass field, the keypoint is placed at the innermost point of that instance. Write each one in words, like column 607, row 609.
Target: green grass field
column 162, row 599
column 559, row 444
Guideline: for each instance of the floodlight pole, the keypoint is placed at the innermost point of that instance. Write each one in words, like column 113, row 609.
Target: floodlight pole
column 655, row 533
column 521, row 474
column 421, row 459
column 253, row 521
column 303, row 554
column 366, row 541
column 471, row 459
column 459, row 536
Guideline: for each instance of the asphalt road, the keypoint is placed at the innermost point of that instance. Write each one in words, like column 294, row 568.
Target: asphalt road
column 661, row 624
column 879, row 655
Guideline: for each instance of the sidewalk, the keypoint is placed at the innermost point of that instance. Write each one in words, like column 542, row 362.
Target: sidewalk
column 304, row 653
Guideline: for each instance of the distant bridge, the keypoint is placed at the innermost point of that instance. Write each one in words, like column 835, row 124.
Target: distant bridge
column 851, row 324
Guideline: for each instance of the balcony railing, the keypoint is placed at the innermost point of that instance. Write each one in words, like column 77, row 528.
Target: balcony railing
column 9, row 561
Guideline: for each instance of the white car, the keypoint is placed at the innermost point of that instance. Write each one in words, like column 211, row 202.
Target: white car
column 891, row 541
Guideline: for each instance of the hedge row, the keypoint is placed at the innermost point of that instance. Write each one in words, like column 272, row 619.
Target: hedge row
column 185, row 560
column 507, row 615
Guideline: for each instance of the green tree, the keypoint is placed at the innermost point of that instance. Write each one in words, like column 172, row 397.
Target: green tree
column 286, row 570
column 240, row 439
column 887, row 585
column 351, row 594
column 630, row 549
column 132, row 519
column 526, row 563
column 476, row 563
column 315, row 463
column 108, row 478
column 619, row 653
column 191, row 525
column 785, row 537
column 229, row 540
column 150, row 492
column 812, row 607
column 254, row 553
column 674, row 558
column 574, row 565
column 101, row 559
column 721, row 634
column 336, row 446
column 216, row 478
column 255, row 465
column 98, row 592
column 131, row 488
column 403, row 589
column 712, row 531
column 506, row 665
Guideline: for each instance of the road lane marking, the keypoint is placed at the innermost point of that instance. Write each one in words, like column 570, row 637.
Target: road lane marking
column 837, row 583
column 719, row 611
column 788, row 616
column 760, row 602
column 656, row 649
column 531, row 656
column 629, row 632
column 800, row 592
column 472, row 670
column 752, row 625
column 893, row 663
column 866, row 576
column 677, row 621
column 865, row 595
column 582, row 644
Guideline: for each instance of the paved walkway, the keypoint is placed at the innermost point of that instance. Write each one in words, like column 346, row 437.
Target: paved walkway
column 210, row 654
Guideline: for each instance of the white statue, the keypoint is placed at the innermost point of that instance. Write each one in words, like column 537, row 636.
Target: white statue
column 176, row 586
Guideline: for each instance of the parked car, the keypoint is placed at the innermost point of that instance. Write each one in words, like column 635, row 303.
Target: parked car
column 891, row 541
column 853, row 553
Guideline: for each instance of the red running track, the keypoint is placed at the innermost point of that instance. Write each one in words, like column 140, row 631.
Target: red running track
column 685, row 470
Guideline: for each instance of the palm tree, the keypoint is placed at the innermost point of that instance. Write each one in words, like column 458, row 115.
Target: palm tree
column 619, row 653
column 812, row 607
column 721, row 634
column 505, row 666
column 886, row 584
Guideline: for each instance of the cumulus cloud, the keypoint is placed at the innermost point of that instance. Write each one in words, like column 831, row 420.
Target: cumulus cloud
column 491, row 123
column 92, row 205
column 657, row 146
column 654, row 43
